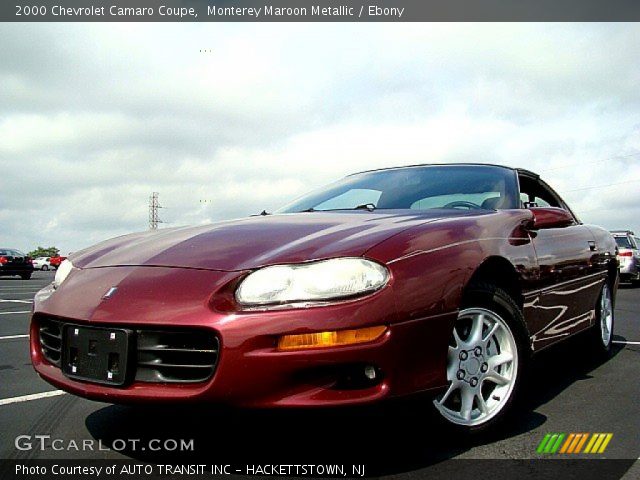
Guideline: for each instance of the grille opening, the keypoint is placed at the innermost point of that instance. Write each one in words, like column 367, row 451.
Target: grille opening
column 175, row 356
column 51, row 340
column 161, row 356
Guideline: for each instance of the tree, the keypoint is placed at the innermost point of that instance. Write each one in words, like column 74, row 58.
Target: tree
column 44, row 252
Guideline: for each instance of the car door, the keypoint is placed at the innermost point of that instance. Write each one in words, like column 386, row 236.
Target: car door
column 569, row 276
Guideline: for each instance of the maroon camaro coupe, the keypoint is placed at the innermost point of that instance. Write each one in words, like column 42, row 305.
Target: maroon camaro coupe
column 436, row 279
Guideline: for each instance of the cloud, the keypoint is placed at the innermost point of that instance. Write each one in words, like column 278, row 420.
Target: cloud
column 93, row 118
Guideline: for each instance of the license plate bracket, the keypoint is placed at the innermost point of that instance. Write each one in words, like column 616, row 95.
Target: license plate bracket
column 96, row 354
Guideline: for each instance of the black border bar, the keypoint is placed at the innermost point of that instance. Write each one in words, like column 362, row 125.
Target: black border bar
column 320, row 11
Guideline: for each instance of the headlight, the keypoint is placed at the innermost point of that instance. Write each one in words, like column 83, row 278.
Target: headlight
column 62, row 272
column 312, row 282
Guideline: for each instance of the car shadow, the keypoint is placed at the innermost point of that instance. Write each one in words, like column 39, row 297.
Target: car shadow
column 387, row 439
column 391, row 438
column 547, row 380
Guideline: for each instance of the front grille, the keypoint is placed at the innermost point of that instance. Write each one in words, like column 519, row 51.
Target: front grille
column 161, row 356
column 176, row 356
column 51, row 340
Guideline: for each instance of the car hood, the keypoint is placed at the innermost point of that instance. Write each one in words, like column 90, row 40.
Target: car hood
column 258, row 241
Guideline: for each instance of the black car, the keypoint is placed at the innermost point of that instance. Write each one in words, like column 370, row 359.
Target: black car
column 14, row 262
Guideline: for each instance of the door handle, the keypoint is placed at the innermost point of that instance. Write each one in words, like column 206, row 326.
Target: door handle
column 592, row 246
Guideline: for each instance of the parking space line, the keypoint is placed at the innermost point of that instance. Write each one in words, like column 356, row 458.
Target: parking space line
column 11, row 313
column 9, row 337
column 624, row 342
column 34, row 396
column 16, row 301
column 22, row 292
column 11, row 287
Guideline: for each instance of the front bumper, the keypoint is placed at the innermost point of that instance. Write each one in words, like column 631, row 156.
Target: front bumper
column 410, row 357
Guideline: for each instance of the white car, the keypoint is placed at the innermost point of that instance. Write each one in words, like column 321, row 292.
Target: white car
column 42, row 263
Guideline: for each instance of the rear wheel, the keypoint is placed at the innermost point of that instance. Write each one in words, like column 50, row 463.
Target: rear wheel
column 602, row 332
column 487, row 356
column 45, row 267
column 25, row 276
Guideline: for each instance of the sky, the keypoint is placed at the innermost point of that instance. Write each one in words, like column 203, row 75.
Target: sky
column 225, row 120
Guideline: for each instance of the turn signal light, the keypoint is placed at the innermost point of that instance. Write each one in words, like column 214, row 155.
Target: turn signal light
column 331, row 338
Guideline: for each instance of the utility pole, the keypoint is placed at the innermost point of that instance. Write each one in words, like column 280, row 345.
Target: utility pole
column 153, row 211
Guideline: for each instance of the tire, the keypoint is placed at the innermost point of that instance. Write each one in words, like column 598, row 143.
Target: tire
column 487, row 362
column 601, row 333
column 25, row 276
column 45, row 267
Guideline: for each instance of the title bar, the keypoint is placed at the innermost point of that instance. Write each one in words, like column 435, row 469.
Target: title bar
column 319, row 11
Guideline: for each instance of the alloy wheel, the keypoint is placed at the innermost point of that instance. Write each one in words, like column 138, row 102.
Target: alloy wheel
column 606, row 316
column 482, row 367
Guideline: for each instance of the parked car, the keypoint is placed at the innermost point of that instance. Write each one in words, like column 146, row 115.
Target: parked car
column 42, row 263
column 56, row 261
column 15, row 263
column 440, row 280
column 628, row 255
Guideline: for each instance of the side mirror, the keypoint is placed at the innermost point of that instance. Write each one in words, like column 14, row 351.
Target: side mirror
column 550, row 217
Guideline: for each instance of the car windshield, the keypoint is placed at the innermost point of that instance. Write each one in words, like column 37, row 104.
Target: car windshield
column 425, row 187
column 623, row 242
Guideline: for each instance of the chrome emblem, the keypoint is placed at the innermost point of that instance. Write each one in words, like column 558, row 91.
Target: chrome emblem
column 110, row 293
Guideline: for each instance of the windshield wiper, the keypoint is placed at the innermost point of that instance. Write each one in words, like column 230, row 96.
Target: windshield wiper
column 366, row 206
column 261, row 214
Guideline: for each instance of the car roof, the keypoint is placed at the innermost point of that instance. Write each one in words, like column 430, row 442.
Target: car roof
column 457, row 164
column 621, row 232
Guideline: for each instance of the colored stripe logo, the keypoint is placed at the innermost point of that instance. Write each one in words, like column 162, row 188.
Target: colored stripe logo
column 574, row 443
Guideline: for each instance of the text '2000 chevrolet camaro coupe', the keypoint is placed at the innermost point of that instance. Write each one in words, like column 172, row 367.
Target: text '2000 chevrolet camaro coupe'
column 436, row 279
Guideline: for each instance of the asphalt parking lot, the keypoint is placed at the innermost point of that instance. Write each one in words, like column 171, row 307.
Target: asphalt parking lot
column 569, row 391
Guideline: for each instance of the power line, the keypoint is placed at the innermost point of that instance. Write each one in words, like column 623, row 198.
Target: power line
column 579, row 164
column 601, row 186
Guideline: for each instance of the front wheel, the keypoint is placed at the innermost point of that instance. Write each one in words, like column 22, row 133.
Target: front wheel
column 25, row 276
column 486, row 361
column 45, row 267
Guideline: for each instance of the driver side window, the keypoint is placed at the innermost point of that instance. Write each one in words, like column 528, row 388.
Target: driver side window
column 537, row 201
column 533, row 193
